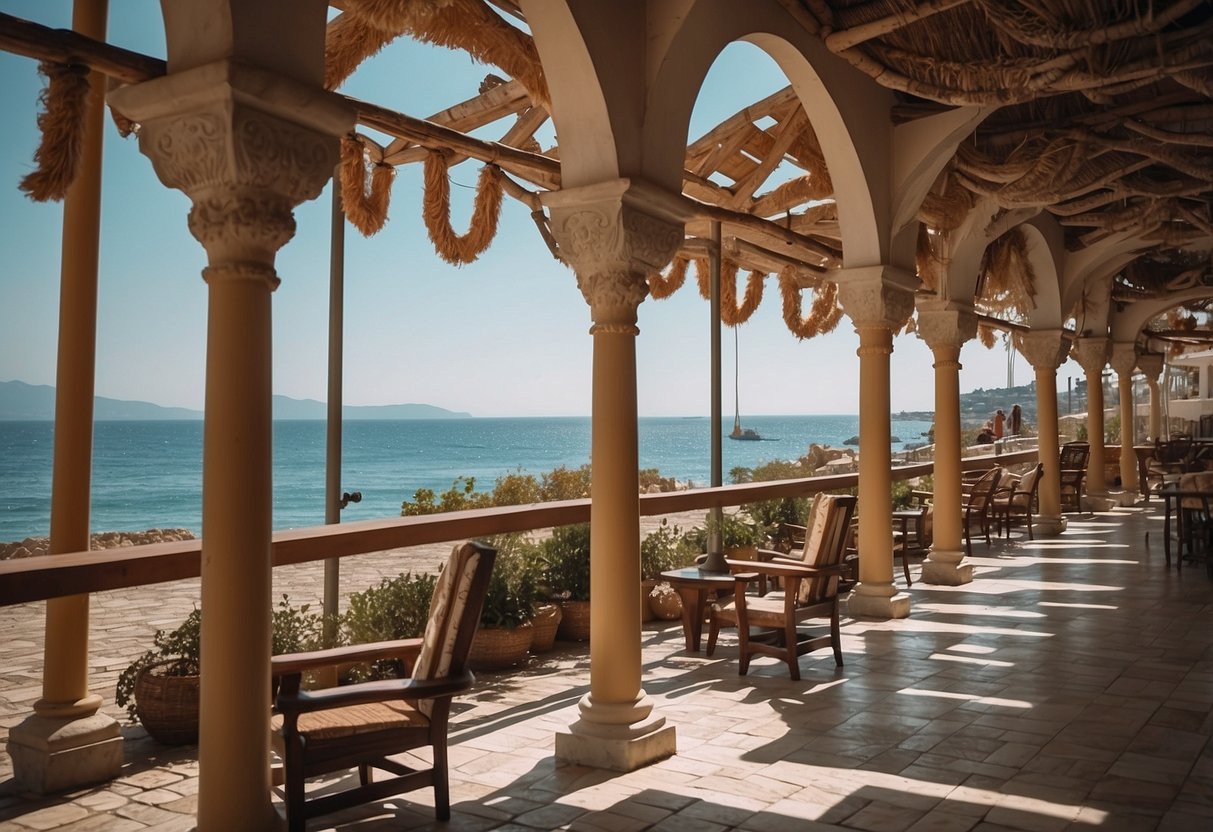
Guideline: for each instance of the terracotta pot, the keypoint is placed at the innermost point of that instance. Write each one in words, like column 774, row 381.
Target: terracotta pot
column 646, row 587
column 665, row 602
column 546, row 620
column 494, row 648
column 742, row 552
column 575, row 621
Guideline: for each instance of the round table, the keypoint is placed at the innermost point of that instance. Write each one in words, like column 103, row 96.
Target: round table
column 694, row 586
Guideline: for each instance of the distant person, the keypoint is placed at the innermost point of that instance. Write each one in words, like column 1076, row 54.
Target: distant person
column 986, row 436
column 1016, row 420
column 1000, row 420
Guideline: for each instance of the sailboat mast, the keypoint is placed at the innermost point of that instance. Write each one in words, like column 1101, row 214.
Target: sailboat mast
column 736, row 386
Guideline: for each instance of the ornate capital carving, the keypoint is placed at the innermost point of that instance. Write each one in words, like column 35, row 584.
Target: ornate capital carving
column 613, row 298
column 944, row 324
column 614, row 226
column 1091, row 354
column 877, row 296
column 1124, row 358
column 244, row 144
column 1150, row 364
column 1045, row 349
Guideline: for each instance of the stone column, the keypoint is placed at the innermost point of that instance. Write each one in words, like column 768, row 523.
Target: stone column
column 65, row 742
column 1124, row 360
column 1045, row 350
column 945, row 327
column 878, row 300
column 246, row 146
column 1092, row 356
column 614, row 234
column 1151, row 364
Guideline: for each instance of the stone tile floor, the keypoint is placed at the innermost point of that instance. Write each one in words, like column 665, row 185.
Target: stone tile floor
column 1069, row 687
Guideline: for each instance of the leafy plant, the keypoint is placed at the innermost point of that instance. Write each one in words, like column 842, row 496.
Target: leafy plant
column 566, row 559
column 294, row 629
column 398, row 608
column 565, row 484
column 513, row 585
column 664, row 548
column 461, row 495
column 736, row 530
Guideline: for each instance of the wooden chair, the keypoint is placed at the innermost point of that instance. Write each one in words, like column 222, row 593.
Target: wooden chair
column 321, row 731
column 1073, row 468
column 1017, row 502
column 976, row 507
column 1169, row 458
column 810, row 591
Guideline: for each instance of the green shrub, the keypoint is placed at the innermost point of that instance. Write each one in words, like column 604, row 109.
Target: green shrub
column 516, row 489
column 514, row 583
column 461, row 495
column 565, row 484
column 566, row 560
column 664, row 548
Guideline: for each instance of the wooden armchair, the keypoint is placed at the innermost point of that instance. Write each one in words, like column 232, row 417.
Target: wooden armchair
column 1017, row 502
column 976, row 507
column 1073, row 469
column 321, row 731
column 810, row 590
column 1169, row 458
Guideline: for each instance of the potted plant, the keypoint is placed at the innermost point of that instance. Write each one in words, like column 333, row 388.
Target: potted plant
column 160, row 688
column 662, row 549
column 505, row 631
column 739, row 536
column 566, row 561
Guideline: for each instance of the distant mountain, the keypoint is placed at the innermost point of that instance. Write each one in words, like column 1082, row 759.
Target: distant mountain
column 36, row 403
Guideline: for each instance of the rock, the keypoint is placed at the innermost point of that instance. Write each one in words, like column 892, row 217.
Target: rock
column 854, row 440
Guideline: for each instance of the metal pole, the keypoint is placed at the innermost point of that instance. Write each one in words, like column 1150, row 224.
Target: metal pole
column 332, row 471
column 715, row 560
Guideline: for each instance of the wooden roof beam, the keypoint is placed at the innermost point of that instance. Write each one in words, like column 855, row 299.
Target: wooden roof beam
column 502, row 100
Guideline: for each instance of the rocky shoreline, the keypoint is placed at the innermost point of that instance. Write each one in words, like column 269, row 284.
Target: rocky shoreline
column 34, row 546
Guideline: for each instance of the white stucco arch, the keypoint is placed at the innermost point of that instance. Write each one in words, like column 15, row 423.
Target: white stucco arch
column 1127, row 324
column 1046, row 254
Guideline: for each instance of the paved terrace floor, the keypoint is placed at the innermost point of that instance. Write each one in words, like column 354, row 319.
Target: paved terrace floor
column 1068, row 687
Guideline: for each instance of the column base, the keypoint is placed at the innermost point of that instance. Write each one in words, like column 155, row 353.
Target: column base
column 1048, row 524
column 616, row 736
column 1124, row 499
column 1098, row 502
column 946, row 568
column 53, row 755
column 883, row 601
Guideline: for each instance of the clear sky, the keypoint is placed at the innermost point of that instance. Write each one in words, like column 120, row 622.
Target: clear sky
column 505, row 336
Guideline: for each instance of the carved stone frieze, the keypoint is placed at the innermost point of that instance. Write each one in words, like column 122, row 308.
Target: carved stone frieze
column 1091, row 354
column 1044, row 349
column 249, row 225
column 612, row 235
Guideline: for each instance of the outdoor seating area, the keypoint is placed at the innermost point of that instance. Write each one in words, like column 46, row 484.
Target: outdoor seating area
column 988, row 708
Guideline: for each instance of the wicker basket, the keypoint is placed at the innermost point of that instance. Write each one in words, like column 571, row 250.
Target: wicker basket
column 494, row 648
column 574, row 621
column 168, row 705
column 546, row 621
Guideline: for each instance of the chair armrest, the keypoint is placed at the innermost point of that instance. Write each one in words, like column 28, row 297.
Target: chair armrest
column 384, row 689
column 294, row 663
column 784, row 569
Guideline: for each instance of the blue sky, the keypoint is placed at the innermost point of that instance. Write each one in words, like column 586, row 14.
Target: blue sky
column 507, row 335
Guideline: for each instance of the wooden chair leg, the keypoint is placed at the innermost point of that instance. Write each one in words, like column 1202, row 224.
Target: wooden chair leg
column 836, row 636
column 713, row 631
column 442, row 788
column 791, row 657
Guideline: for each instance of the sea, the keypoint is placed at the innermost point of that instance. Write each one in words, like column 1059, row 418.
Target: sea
column 148, row 474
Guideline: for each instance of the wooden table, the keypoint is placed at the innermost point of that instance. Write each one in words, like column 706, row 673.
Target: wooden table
column 694, row 586
column 1172, row 495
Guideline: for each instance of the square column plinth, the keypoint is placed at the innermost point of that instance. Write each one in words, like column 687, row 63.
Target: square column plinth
column 53, row 755
column 616, row 747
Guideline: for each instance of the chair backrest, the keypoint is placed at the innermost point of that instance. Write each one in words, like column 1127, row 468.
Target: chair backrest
column 1074, row 455
column 454, row 613
column 815, row 528
column 1029, row 484
column 832, row 512
column 1195, row 481
column 983, row 489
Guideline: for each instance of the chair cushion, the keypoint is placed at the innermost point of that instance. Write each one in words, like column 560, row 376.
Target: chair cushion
column 352, row 720
column 819, row 517
column 446, row 610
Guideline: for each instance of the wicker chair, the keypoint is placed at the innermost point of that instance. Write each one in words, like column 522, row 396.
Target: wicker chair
column 1073, row 465
column 810, row 591
column 976, row 507
column 1017, row 502
column 321, row 731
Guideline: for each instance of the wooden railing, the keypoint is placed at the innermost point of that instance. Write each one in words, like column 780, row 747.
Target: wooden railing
column 73, row 573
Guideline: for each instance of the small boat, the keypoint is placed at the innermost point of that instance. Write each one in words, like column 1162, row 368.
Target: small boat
column 740, row 433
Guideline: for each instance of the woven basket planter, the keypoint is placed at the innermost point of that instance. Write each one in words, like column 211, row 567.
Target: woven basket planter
column 545, row 623
column 168, row 705
column 574, row 621
column 495, row 648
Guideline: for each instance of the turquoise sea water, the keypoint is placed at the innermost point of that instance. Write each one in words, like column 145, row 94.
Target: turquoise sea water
column 149, row 474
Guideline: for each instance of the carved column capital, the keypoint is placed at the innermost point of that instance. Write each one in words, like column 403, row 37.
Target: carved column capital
column 1044, row 349
column 1124, row 358
column 877, row 296
column 943, row 323
column 1150, row 364
column 1091, row 354
column 246, row 146
column 614, row 234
